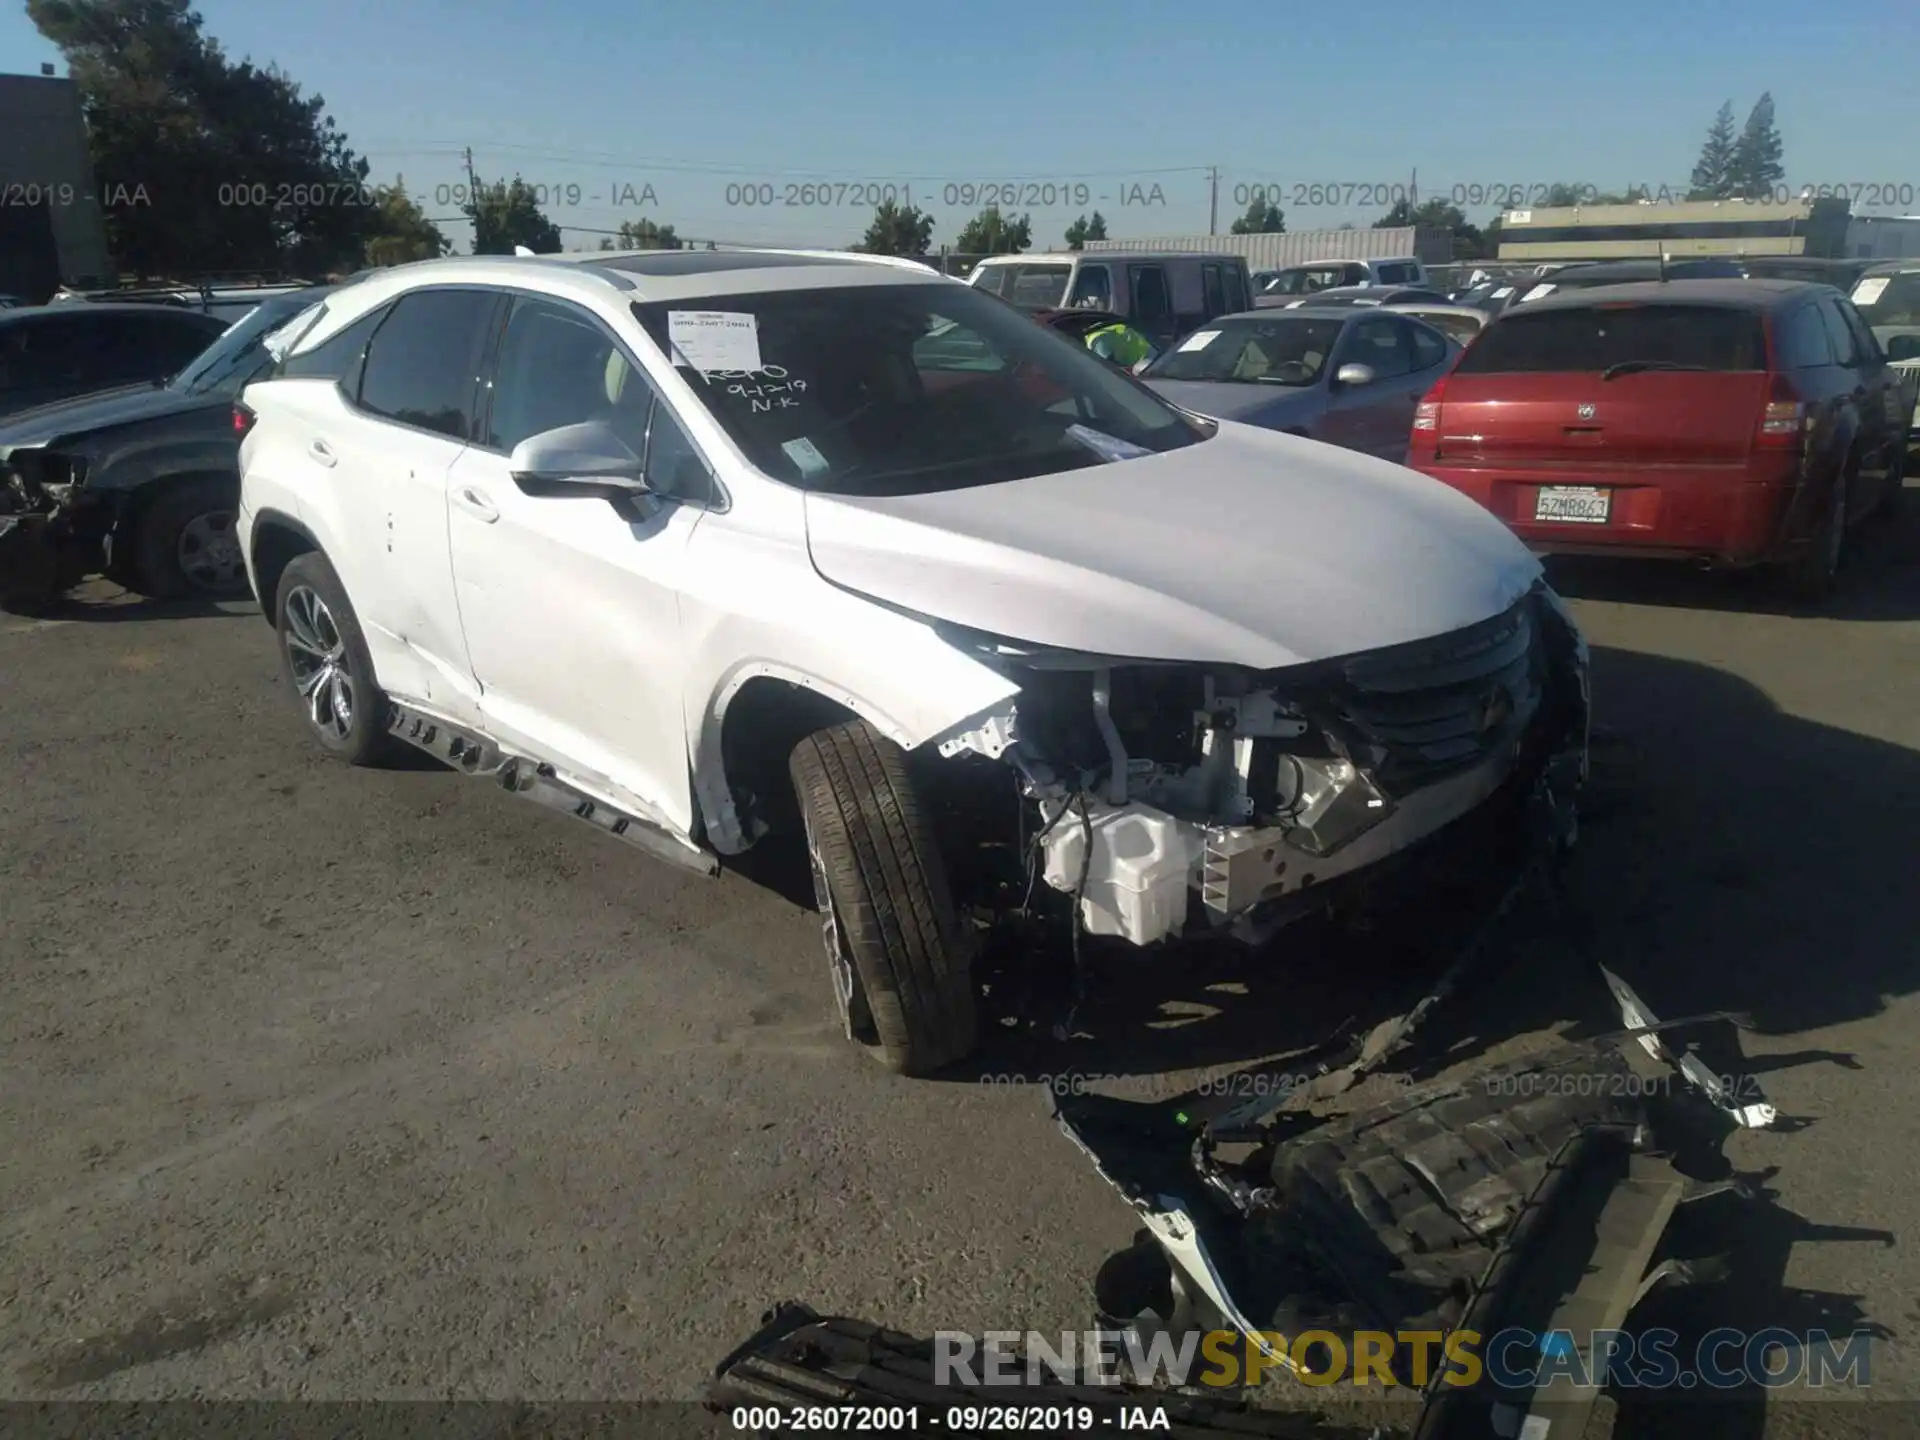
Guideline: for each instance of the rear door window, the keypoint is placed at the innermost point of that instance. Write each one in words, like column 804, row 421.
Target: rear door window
column 423, row 366
column 1594, row 338
column 1213, row 291
column 1237, row 299
column 1428, row 348
column 1152, row 301
column 1840, row 334
column 1382, row 344
column 1800, row 340
column 1865, row 346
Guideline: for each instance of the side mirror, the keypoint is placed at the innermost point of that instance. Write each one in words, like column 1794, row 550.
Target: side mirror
column 588, row 455
column 1904, row 347
column 1354, row 375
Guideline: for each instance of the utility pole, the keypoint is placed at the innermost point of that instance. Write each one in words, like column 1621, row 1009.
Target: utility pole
column 1213, row 200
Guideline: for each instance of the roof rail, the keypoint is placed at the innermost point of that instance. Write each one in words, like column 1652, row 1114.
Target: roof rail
column 897, row 262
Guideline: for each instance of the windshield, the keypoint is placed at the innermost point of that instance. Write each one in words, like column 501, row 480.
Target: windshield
column 1283, row 350
column 1884, row 300
column 237, row 357
column 1308, row 279
column 1593, row 339
column 905, row 389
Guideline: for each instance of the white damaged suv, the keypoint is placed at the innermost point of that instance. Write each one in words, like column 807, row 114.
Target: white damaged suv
column 707, row 546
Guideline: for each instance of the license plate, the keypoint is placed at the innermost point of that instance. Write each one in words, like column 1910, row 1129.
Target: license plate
column 1578, row 504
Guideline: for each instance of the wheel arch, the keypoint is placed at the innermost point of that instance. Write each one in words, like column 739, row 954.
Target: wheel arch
column 276, row 539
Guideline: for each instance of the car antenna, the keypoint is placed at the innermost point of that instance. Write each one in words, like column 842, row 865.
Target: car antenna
column 1663, row 266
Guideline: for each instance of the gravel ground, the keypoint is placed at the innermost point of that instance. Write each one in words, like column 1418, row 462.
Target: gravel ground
column 332, row 1084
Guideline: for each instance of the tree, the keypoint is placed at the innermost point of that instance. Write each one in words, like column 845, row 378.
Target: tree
column 991, row 233
column 1755, row 171
column 401, row 230
column 606, row 242
column 897, row 230
column 1083, row 230
column 1713, row 171
column 646, row 235
column 504, row 216
column 204, row 163
column 1263, row 217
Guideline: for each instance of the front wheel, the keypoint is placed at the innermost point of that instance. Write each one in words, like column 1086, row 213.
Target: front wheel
column 186, row 542
column 326, row 661
column 897, row 955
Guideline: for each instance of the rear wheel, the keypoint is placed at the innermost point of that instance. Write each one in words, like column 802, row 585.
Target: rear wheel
column 326, row 660
column 898, row 957
column 186, row 542
column 1812, row 574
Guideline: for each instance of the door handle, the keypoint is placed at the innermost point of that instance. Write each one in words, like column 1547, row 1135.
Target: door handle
column 323, row 453
column 476, row 504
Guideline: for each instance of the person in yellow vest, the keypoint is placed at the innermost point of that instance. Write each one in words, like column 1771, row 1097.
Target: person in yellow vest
column 1120, row 344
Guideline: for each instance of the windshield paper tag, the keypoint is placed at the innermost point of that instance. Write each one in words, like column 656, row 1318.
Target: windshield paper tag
column 804, row 453
column 709, row 340
column 1107, row 447
column 1503, row 292
column 1536, row 292
column 1199, row 340
column 1868, row 291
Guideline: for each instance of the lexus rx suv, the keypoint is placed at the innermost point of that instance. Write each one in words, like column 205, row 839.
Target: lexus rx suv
column 711, row 548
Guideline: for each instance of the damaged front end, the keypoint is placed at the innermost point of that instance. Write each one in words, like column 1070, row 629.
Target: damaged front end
column 1528, row 1196
column 49, row 542
column 1175, row 796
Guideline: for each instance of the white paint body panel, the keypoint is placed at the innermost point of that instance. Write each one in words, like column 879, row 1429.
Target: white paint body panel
column 1252, row 548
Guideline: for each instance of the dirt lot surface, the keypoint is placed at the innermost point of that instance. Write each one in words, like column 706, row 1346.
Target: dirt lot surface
column 339, row 1084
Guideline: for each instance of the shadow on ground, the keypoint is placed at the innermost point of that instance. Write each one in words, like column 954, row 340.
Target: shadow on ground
column 1880, row 582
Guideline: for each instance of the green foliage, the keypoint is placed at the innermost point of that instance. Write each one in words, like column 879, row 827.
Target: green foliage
column 401, row 230
column 1082, row 230
column 504, row 216
column 897, row 230
column 1263, row 217
column 991, row 233
column 1713, row 171
column 230, row 167
column 646, row 235
column 1756, row 169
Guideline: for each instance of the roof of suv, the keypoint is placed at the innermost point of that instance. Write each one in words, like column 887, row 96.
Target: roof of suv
column 1734, row 294
column 662, row 274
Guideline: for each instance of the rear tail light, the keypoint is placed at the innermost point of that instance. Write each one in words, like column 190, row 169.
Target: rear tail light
column 1426, row 415
column 243, row 419
column 1784, row 421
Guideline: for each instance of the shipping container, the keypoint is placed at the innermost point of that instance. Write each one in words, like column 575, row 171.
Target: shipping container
column 1302, row 247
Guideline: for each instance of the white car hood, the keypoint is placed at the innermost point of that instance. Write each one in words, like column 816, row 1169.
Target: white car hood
column 1251, row 548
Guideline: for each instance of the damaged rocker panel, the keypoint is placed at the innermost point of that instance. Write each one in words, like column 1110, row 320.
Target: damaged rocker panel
column 474, row 754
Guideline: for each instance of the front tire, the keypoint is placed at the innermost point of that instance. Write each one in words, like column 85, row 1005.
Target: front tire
column 899, row 959
column 325, row 658
column 187, row 542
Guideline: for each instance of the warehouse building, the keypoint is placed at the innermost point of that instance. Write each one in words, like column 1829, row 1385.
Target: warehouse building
column 52, row 224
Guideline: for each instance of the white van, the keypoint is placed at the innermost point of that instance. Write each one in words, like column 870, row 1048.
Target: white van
column 1319, row 275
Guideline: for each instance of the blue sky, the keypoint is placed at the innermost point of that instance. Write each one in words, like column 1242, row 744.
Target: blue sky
column 688, row 113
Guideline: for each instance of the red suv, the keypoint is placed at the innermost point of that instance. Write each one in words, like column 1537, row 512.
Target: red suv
column 1738, row 422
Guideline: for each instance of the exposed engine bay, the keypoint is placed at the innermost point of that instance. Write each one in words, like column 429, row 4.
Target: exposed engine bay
column 1159, row 784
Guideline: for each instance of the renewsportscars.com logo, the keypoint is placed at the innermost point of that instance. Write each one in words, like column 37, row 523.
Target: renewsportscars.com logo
column 1721, row 1359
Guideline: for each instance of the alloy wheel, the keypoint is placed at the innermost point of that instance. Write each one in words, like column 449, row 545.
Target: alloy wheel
column 318, row 656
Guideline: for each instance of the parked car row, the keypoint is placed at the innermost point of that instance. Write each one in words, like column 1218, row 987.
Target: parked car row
column 139, row 478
